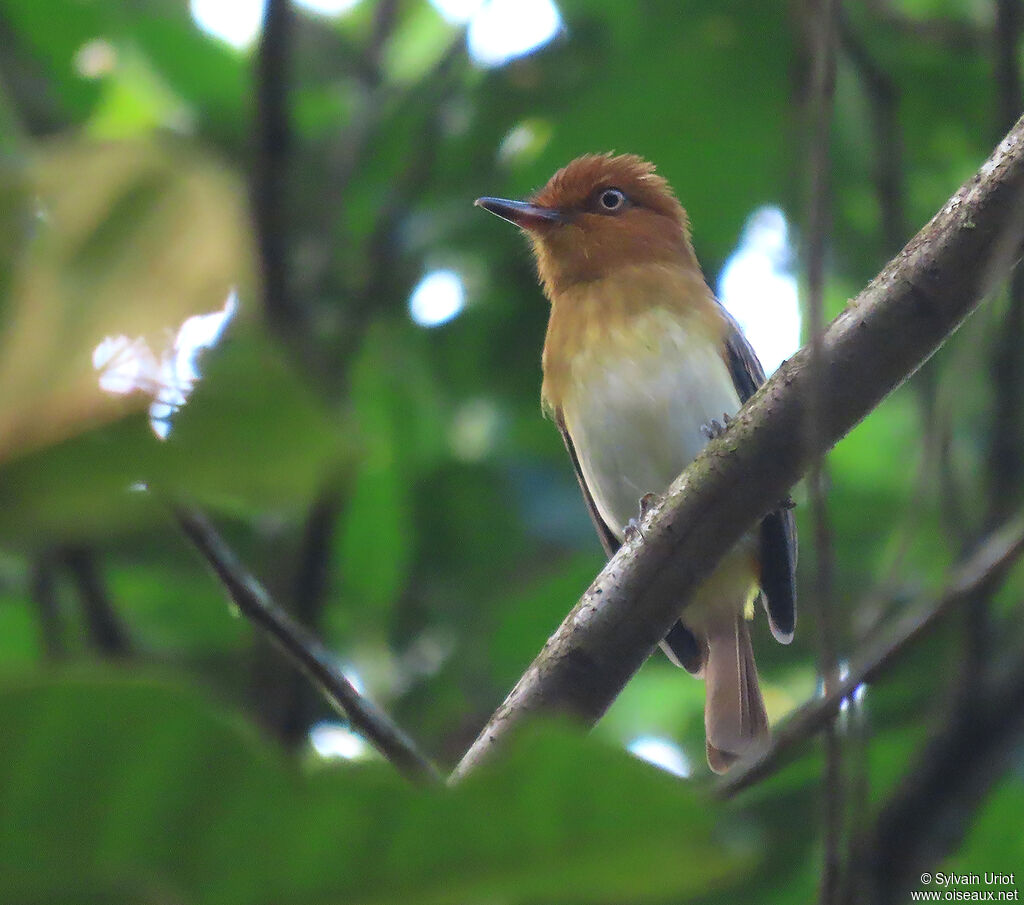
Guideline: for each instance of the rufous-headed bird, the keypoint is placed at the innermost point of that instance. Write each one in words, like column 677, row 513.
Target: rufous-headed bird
column 640, row 364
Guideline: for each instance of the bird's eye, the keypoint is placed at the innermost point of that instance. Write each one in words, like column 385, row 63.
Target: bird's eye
column 611, row 199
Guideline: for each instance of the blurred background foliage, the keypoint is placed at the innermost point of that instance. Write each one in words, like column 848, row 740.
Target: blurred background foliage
column 368, row 435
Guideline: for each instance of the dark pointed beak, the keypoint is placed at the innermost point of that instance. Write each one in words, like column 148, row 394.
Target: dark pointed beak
column 521, row 213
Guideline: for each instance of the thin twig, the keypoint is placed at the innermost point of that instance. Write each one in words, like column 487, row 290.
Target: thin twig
column 1006, row 472
column 384, row 277
column 981, row 573
column 857, row 742
column 1009, row 25
column 44, row 595
column 821, row 22
column 303, row 649
column 106, row 629
column 821, row 25
column 309, row 598
column 269, row 182
column 284, row 699
column 882, row 96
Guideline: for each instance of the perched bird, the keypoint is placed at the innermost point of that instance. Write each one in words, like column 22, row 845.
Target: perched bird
column 641, row 367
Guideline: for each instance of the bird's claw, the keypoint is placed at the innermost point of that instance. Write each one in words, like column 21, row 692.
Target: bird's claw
column 715, row 428
column 632, row 530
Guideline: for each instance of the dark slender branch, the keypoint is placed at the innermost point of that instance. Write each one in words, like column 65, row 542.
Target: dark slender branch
column 314, row 563
column 821, row 22
column 303, row 649
column 309, row 598
column 856, row 744
column 44, row 594
column 883, row 100
column 822, row 16
column 981, row 573
column 1009, row 25
column 882, row 97
column 382, row 277
column 1005, row 475
column 1005, row 468
column 885, row 334
column 269, row 183
column 107, row 632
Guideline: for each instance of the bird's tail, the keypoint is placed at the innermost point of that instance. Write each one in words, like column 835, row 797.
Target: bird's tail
column 734, row 716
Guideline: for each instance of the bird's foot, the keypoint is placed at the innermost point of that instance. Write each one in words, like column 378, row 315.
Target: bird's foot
column 715, row 428
column 632, row 530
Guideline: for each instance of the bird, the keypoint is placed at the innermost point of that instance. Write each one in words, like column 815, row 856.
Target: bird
column 642, row 366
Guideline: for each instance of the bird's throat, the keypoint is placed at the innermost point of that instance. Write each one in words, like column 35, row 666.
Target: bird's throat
column 623, row 321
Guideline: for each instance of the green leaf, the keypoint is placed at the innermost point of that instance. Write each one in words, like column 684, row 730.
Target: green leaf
column 251, row 438
column 401, row 434
column 527, row 617
column 137, row 790
column 19, row 633
column 992, row 843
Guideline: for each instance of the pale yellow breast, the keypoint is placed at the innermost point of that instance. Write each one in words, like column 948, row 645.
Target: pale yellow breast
column 635, row 406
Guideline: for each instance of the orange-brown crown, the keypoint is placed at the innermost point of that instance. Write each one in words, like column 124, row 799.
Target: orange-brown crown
column 588, row 241
column 572, row 186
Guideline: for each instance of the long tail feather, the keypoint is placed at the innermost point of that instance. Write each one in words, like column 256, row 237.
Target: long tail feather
column 734, row 714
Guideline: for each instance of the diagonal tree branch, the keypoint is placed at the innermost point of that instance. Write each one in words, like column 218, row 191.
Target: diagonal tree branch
column 980, row 574
column 883, row 336
column 303, row 649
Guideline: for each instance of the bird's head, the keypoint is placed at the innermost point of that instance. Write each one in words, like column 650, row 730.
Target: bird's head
column 600, row 213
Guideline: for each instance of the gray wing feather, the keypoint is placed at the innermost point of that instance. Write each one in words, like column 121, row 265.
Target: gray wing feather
column 778, row 528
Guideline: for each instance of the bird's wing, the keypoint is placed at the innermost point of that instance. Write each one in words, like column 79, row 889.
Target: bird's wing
column 608, row 539
column 778, row 528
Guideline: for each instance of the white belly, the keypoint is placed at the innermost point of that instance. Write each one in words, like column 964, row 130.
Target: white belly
column 636, row 423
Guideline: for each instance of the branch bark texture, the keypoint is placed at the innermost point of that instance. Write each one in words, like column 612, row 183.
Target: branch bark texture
column 882, row 337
